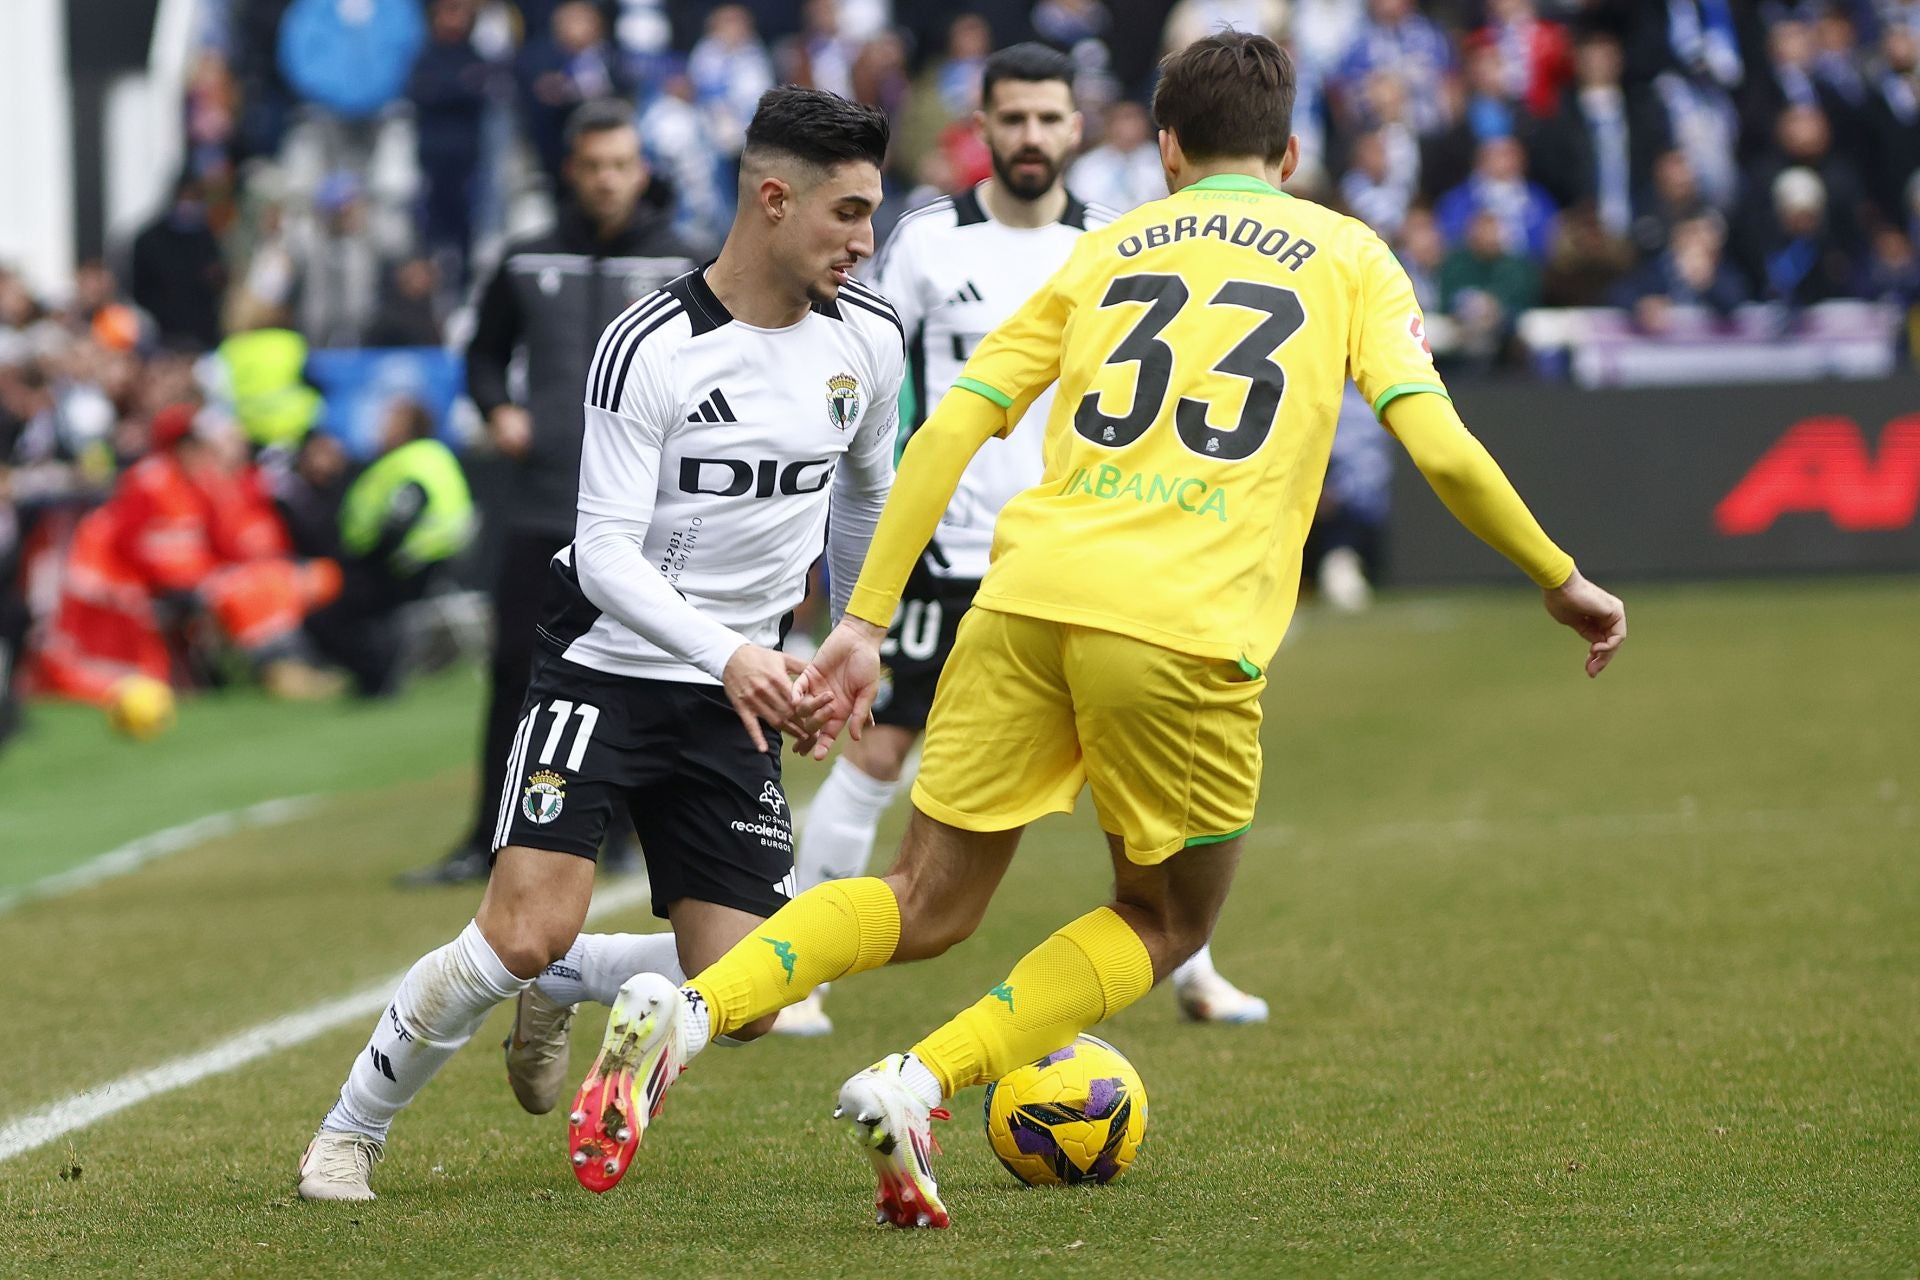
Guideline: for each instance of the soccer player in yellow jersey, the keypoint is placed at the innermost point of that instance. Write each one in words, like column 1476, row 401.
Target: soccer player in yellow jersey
column 1200, row 346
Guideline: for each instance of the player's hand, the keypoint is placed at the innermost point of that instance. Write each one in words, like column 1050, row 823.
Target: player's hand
column 511, row 429
column 846, row 672
column 1597, row 616
column 759, row 683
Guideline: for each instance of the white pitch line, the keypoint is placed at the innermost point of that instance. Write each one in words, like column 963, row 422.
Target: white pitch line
column 135, row 854
column 54, row 1121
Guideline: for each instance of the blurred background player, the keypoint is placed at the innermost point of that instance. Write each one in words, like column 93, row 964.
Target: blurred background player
column 735, row 418
column 1120, row 638
column 548, row 300
column 954, row 270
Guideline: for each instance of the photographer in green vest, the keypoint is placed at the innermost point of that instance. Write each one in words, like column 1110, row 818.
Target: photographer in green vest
column 402, row 520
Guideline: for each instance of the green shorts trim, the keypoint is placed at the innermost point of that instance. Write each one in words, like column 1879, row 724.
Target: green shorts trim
column 1219, row 839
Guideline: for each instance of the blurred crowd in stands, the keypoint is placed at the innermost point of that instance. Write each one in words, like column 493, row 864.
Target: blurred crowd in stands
column 351, row 166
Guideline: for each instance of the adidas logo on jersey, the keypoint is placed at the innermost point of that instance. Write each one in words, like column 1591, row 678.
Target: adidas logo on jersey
column 713, row 409
column 968, row 292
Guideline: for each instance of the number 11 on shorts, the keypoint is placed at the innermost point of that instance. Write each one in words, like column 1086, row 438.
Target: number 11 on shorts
column 564, row 711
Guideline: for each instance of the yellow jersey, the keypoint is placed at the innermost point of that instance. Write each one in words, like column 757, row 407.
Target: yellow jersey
column 1201, row 345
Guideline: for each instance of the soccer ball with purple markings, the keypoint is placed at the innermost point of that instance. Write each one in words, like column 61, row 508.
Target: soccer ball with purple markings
column 1077, row 1115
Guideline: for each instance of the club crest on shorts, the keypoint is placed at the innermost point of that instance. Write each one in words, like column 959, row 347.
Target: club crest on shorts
column 843, row 400
column 771, row 797
column 545, row 796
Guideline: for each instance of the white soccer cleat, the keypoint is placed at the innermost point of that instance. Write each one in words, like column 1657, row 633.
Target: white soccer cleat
column 645, row 1040
column 807, row 1018
column 338, row 1166
column 1211, row 998
column 894, row 1127
column 537, row 1050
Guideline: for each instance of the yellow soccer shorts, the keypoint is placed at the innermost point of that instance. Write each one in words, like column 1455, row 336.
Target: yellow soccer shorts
column 1028, row 711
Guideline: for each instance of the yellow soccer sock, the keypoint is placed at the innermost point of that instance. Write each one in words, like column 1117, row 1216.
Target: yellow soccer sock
column 831, row 930
column 1088, row 971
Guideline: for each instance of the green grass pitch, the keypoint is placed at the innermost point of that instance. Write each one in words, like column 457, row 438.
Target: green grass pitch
column 1617, row 978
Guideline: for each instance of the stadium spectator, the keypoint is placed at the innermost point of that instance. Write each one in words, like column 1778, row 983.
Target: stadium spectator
column 1373, row 190
column 450, row 89
column 1484, row 286
column 549, row 300
column 1499, row 186
column 1067, row 24
column 1600, row 146
column 1422, row 250
column 1795, row 255
column 1124, row 170
column 1676, row 196
column 1395, row 37
column 1803, row 140
column 1691, row 272
column 1531, row 55
column 820, row 55
column 1787, row 79
column 880, row 76
column 1706, row 126
column 351, row 59
column 338, row 266
column 187, row 557
column 409, row 311
column 1892, row 119
column 730, row 68
column 1892, row 272
column 402, row 521
column 1586, row 262
column 1191, row 20
column 573, row 62
column 178, row 273
column 680, row 149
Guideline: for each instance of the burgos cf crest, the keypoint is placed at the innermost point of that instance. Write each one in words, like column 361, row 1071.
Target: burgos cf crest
column 843, row 400
column 544, row 797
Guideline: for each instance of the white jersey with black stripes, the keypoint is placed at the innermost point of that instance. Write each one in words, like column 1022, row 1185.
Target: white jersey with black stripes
column 712, row 449
column 953, row 273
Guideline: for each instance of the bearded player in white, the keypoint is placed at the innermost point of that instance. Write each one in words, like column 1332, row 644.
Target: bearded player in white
column 953, row 270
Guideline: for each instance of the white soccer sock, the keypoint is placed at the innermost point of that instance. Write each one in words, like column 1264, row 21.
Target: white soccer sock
column 1198, row 968
column 440, row 1004
column 597, row 964
column 697, row 1027
column 917, row 1077
column 837, row 840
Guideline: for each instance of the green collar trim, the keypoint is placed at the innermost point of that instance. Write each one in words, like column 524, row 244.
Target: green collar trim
column 1234, row 182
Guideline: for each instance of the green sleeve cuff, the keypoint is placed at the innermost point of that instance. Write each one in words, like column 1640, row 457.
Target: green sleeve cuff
column 980, row 388
column 1398, row 389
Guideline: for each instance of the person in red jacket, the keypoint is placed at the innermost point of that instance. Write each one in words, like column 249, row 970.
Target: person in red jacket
column 1536, row 57
column 189, row 542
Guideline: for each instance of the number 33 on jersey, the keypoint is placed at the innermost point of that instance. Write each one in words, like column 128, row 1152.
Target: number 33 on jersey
column 1201, row 345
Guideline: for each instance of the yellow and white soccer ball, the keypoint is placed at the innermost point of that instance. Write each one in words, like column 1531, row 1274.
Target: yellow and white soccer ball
column 1077, row 1115
column 141, row 707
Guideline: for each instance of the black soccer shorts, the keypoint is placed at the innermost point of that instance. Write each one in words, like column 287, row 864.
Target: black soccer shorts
column 711, row 815
column 917, row 646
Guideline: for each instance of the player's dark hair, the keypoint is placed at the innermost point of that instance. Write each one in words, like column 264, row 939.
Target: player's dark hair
column 817, row 127
column 1230, row 94
column 1029, row 63
column 598, row 115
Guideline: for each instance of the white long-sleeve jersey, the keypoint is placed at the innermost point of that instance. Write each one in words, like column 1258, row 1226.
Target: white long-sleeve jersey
column 716, row 457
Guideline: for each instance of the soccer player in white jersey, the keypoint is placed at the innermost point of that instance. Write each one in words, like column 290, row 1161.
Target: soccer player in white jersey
column 953, row 270
column 722, row 412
